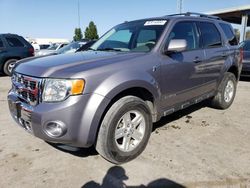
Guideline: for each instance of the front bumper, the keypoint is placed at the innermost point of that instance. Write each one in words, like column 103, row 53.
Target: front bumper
column 81, row 115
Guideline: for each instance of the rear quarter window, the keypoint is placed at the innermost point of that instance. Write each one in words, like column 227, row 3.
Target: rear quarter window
column 14, row 42
column 231, row 38
column 210, row 35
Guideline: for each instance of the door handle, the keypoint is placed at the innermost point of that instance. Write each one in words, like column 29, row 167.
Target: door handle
column 197, row 60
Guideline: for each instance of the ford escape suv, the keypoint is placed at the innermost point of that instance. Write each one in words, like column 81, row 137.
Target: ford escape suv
column 136, row 73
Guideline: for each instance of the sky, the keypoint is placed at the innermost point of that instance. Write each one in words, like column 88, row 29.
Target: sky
column 59, row 18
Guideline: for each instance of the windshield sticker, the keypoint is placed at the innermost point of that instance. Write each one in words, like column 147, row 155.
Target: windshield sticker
column 155, row 22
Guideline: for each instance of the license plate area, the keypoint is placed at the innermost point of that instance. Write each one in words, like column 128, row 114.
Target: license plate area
column 22, row 114
column 14, row 107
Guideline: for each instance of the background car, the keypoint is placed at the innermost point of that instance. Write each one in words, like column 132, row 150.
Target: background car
column 246, row 58
column 76, row 47
column 13, row 48
column 72, row 47
column 35, row 45
column 86, row 46
column 43, row 46
column 51, row 49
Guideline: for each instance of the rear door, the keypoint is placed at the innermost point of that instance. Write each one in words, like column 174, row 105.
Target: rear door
column 216, row 53
column 181, row 72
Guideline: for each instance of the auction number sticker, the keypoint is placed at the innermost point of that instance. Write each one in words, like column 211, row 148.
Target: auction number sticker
column 155, row 22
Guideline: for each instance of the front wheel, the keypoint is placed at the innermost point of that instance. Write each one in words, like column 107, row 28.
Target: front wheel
column 125, row 130
column 226, row 92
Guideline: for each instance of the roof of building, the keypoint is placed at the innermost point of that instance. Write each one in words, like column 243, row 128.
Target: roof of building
column 232, row 15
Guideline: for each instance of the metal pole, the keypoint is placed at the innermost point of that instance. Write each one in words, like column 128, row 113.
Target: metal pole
column 244, row 20
column 78, row 14
column 179, row 6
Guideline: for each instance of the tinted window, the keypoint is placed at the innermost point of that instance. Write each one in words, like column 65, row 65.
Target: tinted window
column 14, row 42
column 210, row 35
column 1, row 43
column 187, row 31
column 119, row 39
column 146, row 36
column 229, row 34
column 139, row 36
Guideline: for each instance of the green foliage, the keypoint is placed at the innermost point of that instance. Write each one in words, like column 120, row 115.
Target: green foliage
column 91, row 31
column 78, row 34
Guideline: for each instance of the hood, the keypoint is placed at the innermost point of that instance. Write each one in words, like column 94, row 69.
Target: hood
column 67, row 65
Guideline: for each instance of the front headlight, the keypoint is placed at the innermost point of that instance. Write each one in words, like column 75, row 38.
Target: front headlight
column 59, row 89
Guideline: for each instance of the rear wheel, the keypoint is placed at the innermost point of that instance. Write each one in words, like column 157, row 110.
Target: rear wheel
column 226, row 92
column 125, row 130
column 8, row 66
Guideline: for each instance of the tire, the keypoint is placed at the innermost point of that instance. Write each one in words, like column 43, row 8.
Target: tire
column 223, row 99
column 8, row 66
column 134, row 136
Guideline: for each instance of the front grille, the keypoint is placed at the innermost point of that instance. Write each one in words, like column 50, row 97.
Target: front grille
column 27, row 88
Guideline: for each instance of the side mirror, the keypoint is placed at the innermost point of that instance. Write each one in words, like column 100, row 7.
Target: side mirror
column 176, row 45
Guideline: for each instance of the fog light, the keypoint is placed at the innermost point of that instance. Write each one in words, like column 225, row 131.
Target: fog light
column 55, row 129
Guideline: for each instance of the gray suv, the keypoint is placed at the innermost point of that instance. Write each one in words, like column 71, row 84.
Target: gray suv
column 138, row 72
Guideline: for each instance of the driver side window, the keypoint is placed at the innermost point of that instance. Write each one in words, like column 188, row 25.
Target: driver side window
column 186, row 31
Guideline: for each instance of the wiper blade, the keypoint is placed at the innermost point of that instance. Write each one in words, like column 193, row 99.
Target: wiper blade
column 109, row 49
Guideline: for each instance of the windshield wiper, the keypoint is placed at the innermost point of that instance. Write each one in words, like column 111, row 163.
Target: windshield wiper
column 91, row 49
column 109, row 49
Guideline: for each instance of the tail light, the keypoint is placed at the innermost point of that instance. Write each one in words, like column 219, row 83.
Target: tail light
column 241, row 55
column 31, row 51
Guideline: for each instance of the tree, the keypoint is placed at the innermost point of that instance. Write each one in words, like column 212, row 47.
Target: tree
column 78, row 34
column 91, row 31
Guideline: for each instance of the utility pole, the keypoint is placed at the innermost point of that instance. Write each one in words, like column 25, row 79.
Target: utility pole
column 179, row 6
column 78, row 5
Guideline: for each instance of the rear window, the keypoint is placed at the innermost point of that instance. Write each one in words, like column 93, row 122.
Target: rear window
column 229, row 34
column 1, row 43
column 14, row 42
column 210, row 35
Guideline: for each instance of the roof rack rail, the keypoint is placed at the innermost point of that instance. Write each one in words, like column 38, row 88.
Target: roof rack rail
column 196, row 14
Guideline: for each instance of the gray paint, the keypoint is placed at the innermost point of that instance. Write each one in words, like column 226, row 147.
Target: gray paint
column 175, row 82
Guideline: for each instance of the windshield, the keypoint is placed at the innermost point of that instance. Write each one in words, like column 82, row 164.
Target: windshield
column 53, row 47
column 70, row 48
column 138, row 36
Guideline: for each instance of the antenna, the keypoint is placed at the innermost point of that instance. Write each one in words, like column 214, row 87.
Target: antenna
column 179, row 6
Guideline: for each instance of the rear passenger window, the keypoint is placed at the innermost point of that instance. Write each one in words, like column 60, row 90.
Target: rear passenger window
column 14, row 42
column 229, row 34
column 187, row 31
column 246, row 46
column 1, row 43
column 210, row 35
